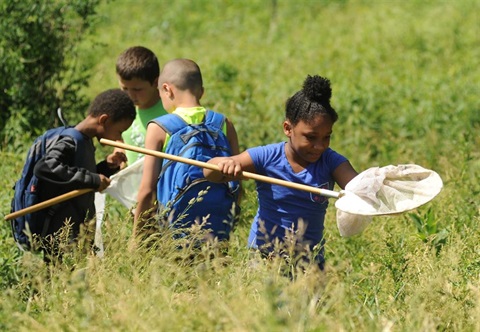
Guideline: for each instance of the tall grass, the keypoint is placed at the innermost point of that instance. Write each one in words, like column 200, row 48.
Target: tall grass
column 406, row 81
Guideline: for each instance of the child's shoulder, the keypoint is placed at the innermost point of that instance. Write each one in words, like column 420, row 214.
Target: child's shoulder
column 272, row 147
column 330, row 152
column 270, row 153
column 332, row 158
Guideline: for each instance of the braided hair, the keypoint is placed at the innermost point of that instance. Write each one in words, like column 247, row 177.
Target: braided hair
column 311, row 101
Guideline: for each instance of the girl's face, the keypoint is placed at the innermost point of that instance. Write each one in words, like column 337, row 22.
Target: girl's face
column 307, row 141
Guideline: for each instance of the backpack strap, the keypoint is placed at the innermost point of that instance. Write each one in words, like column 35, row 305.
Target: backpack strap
column 170, row 123
column 62, row 131
column 212, row 123
column 215, row 120
column 79, row 139
column 72, row 132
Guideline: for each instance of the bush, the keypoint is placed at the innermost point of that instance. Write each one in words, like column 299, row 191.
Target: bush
column 39, row 71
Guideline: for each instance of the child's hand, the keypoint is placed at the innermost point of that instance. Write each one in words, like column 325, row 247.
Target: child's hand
column 229, row 169
column 116, row 159
column 104, row 183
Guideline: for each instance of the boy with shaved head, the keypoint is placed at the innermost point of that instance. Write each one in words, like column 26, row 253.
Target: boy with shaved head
column 180, row 87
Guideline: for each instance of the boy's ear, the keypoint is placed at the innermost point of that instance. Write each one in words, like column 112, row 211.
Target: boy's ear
column 102, row 119
column 168, row 90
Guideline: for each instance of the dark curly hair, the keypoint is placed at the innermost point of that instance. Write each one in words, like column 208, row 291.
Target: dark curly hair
column 138, row 62
column 114, row 102
column 311, row 101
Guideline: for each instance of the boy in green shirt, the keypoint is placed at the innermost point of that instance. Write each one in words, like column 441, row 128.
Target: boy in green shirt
column 138, row 70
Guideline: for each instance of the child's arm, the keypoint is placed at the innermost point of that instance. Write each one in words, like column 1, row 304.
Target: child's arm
column 344, row 173
column 230, row 168
column 112, row 163
column 55, row 168
column 147, row 193
column 234, row 146
column 119, row 157
column 232, row 137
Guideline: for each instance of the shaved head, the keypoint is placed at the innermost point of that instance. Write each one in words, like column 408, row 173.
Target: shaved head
column 184, row 74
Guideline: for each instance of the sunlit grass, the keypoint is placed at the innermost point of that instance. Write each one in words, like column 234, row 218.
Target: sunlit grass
column 405, row 78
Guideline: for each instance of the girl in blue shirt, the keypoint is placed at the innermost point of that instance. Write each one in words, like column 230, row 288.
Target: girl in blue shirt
column 289, row 220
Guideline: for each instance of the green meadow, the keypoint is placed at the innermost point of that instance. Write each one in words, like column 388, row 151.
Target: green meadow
column 406, row 85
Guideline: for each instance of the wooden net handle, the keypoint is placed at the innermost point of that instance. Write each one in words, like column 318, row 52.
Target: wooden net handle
column 247, row 175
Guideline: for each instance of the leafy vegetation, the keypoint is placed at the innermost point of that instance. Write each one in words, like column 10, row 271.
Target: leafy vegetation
column 405, row 78
column 39, row 71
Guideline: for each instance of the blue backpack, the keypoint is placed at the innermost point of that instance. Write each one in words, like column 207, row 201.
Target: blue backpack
column 180, row 184
column 26, row 188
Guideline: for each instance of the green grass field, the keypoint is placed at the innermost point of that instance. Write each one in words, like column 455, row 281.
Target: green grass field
column 406, row 85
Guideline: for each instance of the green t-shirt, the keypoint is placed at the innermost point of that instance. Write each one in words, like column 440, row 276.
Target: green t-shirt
column 135, row 134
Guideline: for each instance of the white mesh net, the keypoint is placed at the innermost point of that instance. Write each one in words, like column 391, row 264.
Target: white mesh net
column 385, row 190
column 124, row 184
column 351, row 224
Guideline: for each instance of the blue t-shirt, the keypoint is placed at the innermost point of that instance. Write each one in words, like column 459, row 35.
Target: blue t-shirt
column 279, row 207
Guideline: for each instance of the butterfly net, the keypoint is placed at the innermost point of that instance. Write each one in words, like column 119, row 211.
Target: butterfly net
column 382, row 191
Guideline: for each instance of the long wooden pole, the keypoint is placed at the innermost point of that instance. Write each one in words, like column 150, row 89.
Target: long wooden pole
column 47, row 203
column 247, row 175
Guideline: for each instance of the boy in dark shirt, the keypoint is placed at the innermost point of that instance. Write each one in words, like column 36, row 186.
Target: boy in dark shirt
column 69, row 164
